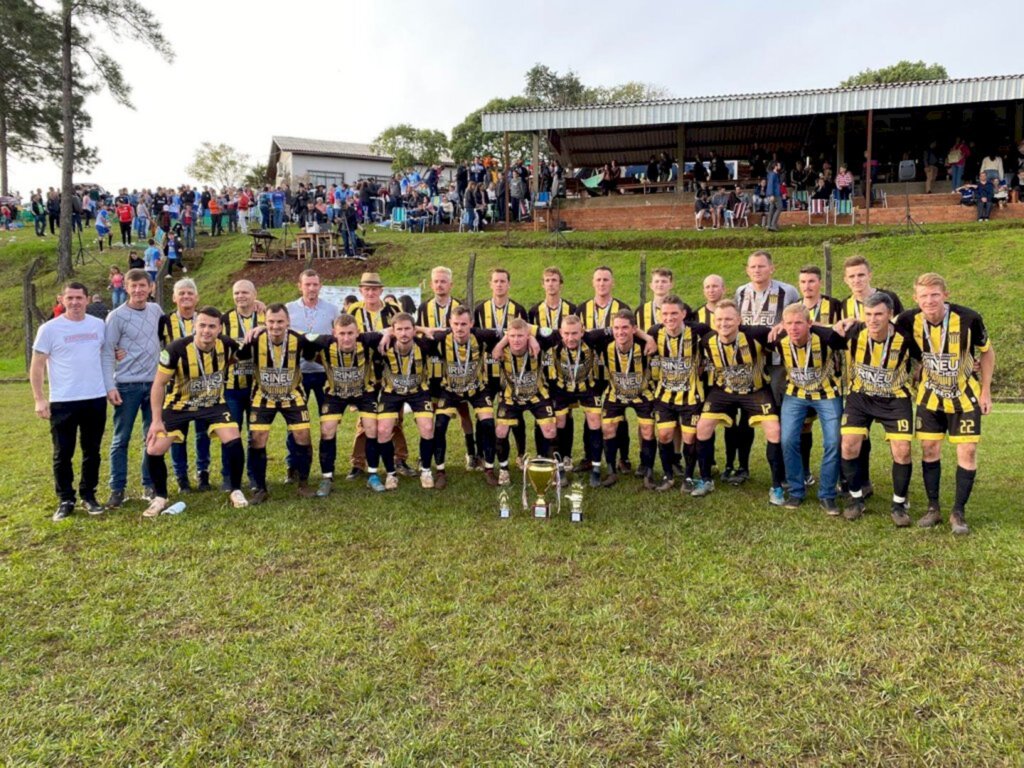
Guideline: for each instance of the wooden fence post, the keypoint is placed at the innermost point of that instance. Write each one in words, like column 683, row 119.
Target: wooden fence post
column 643, row 283
column 470, row 272
column 828, row 269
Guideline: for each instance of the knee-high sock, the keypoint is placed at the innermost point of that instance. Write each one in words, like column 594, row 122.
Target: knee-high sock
column 931, row 473
column 622, row 433
column 566, row 437
column 485, row 428
column 964, row 486
column 851, row 474
column 744, row 445
column 479, row 435
column 690, row 456
column 503, row 449
column 901, row 480
column 259, row 467
column 713, row 436
column 470, row 444
column 372, row 455
column 440, row 438
column 328, row 450
column 519, row 435
column 593, row 443
column 648, row 449
column 233, row 453
column 387, row 455
column 158, row 474
column 730, row 447
column 865, row 461
column 705, row 453
column 611, row 446
column 426, row 452
column 666, row 451
column 303, row 461
column 806, row 443
column 773, row 452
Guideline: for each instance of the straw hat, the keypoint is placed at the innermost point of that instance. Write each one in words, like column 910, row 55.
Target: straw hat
column 371, row 279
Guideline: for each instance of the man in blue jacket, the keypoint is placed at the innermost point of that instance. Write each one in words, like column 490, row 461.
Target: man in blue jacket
column 773, row 191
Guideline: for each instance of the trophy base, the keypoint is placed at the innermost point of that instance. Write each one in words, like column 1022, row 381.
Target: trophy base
column 540, row 509
column 504, row 514
column 576, row 517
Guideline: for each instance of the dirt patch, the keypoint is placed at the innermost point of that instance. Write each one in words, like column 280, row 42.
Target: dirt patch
column 287, row 270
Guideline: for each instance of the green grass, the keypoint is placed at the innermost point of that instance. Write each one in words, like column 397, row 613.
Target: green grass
column 419, row 629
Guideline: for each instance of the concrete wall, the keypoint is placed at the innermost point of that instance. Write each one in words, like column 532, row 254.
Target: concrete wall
column 299, row 166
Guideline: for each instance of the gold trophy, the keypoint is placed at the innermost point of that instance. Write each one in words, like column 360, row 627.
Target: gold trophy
column 541, row 473
column 575, row 497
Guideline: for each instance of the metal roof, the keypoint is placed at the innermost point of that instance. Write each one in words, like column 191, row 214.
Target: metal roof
column 327, row 148
column 759, row 106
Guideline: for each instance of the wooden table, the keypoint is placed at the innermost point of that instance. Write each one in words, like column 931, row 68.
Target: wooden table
column 261, row 245
column 311, row 245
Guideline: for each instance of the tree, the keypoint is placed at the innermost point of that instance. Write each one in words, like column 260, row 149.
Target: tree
column 469, row 139
column 409, row 146
column 85, row 67
column 218, row 164
column 256, row 176
column 545, row 86
column 900, row 72
column 630, row 91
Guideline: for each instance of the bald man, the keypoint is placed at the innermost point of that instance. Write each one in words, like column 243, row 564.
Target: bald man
column 246, row 315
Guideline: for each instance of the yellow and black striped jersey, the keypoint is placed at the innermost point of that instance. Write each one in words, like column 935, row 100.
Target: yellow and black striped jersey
column 649, row 315
column 489, row 315
column 236, row 326
column 811, row 370
column 677, row 364
column 173, row 326
column 765, row 307
column 573, row 370
column 738, row 367
column 197, row 376
column 349, row 374
column 948, row 352
column 596, row 316
column 368, row 320
column 464, row 364
column 706, row 315
column 544, row 316
column 431, row 314
column 827, row 311
column 853, row 307
column 880, row 368
column 627, row 371
column 277, row 374
column 522, row 376
column 406, row 373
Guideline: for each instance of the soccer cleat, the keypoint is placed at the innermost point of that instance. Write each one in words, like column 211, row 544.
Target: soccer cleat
column 156, row 506
column 92, row 506
column 204, row 483
column 584, row 466
column 503, row 477
column 931, row 518
column 303, row 491
column 391, row 483
column 688, row 483
column 148, row 493
column 116, row 499
column 440, row 480
column 519, row 462
column 225, row 485
column 727, row 474
column 649, row 483
column 957, row 523
column 854, row 510
column 739, row 477
column 489, row 477
column 354, row 474
column 470, row 463
column 900, row 518
column 702, row 488
column 64, row 510
column 374, row 483
column 426, row 479
column 868, row 490
column 324, row 489
column 595, row 478
column 809, row 480
column 793, row 502
column 777, row 497
column 830, row 507
column 184, row 484
column 623, row 467
column 238, row 500
column 291, row 476
column 666, row 484
column 405, row 470
column 609, row 481
column 259, row 496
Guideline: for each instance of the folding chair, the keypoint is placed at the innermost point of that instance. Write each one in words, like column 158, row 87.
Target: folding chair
column 817, row 207
column 398, row 218
column 843, row 208
column 738, row 213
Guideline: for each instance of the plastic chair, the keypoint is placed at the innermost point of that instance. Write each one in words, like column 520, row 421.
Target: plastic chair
column 738, row 213
column 398, row 218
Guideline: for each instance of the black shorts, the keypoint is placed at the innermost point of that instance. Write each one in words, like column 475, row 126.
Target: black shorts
column 895, row 414
column 686, row 416
column 482, row 402
column 335, row 407
column 392, row 405
column 510, row 413
column 614, row 411
column 435, row 389
column 961, row 427
column 206, row 419
column 758, row 406
column 295, row 416
column 563, row 401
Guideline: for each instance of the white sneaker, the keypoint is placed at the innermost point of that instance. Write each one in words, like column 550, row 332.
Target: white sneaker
column 391, row 483
column 156, row 506
column 503, row 477
column 238, row 500
column 426, row 479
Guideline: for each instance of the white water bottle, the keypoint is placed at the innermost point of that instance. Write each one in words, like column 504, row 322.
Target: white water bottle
column 175, row 509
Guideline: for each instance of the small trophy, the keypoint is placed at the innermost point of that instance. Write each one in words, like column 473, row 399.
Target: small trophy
column 504, row 512
column 575, row 497
column 541, row 473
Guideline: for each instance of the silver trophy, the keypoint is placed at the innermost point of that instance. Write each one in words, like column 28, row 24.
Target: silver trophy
column 504, row 511
column 575, row 497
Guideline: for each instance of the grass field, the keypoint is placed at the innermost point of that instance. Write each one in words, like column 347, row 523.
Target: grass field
column 418, row 629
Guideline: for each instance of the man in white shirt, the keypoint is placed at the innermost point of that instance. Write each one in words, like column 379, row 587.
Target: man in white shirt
column 69, row 351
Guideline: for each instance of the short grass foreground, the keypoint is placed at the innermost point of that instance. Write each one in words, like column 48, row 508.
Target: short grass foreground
column 417, row 628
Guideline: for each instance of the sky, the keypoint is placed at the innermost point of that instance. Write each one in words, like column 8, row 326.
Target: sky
column 344, row 71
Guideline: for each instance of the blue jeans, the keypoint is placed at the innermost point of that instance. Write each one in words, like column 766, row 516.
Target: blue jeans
column 179, row 454
column 189, row 233
column 314, row 384
column 956, row 175
column 264, row 217
column 238, row 402
column 350, row 242
column 794, row 411
column 118, row 296
column 142, row 227
column 278, row 217
column 134, row 398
